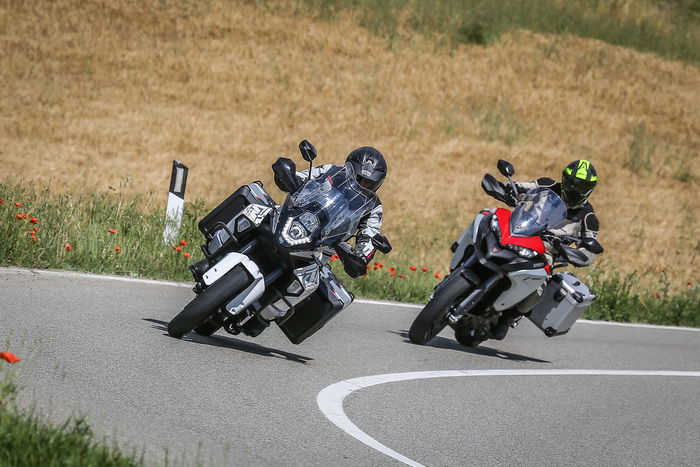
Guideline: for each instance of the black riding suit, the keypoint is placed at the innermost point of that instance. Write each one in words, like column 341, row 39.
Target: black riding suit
column 370, row 225
column 581, row 222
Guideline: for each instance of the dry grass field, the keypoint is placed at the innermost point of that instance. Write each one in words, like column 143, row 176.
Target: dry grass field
column 97, row 92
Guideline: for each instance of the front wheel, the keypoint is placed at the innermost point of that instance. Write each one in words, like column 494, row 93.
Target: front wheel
column 207, row 328
column 199, row 309
column 433, row 318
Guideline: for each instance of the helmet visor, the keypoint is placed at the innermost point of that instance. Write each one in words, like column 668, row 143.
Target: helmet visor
column 368, row 183
column 577, row 190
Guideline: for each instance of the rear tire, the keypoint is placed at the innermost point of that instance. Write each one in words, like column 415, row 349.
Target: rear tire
column 431, row 320
column 199, row 309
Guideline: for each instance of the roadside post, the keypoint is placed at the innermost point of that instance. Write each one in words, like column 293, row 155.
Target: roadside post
column 176, row 202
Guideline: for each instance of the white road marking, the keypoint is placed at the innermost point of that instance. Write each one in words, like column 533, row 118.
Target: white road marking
column 84, row 275
column 50, row 272
column 330, row 399
column 366, row 301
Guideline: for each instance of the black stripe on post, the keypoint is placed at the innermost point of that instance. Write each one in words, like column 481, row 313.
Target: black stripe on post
column 178, row 179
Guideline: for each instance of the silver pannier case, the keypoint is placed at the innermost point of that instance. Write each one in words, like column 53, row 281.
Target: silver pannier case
column 563, row 300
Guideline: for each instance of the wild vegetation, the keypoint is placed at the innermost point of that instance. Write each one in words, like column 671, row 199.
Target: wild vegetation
column 667, row 28
column 114, row 233
column 99, row 92
column 27, row 439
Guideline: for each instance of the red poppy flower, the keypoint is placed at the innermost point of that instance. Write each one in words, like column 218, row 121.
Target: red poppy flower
column 367, row 267
column 424, row 269
column 18, row 204
column 412, row 268
column 67, row 246
column 378, row 265
column 334, row 257
column 186, row 255
column 34, row 239
column 118, row 249
column 18, row 217
column 183, row 242
column 177, row 248
column 35, row 229
column 402, row 276
column 438, row 275
column 392, row 269
column 112, row 231
column 2, row 201
column 34, row 220
column 9, row 357
column 25, row 215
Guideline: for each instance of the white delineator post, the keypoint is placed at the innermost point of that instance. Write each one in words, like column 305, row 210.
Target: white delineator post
column 176, row 202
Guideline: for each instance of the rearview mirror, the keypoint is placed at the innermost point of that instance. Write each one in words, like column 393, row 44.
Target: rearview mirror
column 308, row 151
column 506, row 168
column 285, row 175
column 592, row 245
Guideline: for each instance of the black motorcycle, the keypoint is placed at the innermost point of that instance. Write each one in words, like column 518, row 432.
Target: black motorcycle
column 267, row 263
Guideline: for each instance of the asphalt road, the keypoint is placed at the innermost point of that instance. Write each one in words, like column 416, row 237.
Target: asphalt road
column 98, row 347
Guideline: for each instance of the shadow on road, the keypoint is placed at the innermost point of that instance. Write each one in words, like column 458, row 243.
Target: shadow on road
column 232, row 343
column 443, row 343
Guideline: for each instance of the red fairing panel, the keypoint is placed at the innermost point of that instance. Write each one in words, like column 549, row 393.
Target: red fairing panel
column 533, row 243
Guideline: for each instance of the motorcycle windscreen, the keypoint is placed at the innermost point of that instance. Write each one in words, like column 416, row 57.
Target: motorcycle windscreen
column 539, row 210
column 338, row 202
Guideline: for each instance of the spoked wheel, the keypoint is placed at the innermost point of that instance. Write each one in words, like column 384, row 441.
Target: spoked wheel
column 433, row 318
column 198, row 310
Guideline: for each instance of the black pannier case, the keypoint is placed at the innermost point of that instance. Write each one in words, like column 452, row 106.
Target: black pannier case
column 322, row 305
column 231, row 206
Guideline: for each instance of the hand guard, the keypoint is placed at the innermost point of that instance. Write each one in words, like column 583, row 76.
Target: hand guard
column 353, row 264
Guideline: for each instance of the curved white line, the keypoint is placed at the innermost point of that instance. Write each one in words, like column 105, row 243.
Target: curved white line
column 330, row 399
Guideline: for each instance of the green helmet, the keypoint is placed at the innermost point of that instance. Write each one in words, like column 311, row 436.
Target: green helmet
column 577, row 182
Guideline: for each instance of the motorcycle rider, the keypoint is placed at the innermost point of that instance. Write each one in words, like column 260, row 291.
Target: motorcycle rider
column 579, row 178
column 370, row 171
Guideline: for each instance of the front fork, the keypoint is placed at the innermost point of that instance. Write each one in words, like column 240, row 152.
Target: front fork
column 480, row 289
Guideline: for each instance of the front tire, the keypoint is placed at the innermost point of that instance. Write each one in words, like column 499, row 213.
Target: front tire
column 199, row 309
column 207, row 328
column 432, row 319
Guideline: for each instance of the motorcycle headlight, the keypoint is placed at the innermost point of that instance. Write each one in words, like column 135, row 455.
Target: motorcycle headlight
column 309, row 221
column 522, row 251
column 295, row 233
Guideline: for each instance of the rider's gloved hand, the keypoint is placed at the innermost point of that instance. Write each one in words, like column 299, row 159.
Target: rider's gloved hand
column 354, row 264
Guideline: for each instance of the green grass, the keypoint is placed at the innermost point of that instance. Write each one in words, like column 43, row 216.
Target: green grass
column 619, row 299
column 25, row 439
column 83, row 222
column 674, row 35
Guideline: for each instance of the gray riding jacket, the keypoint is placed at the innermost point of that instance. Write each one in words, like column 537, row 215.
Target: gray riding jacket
column 581, row 220
column 370, row 224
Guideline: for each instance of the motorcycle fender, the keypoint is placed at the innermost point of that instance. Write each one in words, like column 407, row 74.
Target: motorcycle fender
column 467, row 238
column 251, row 293
column 522, row 284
